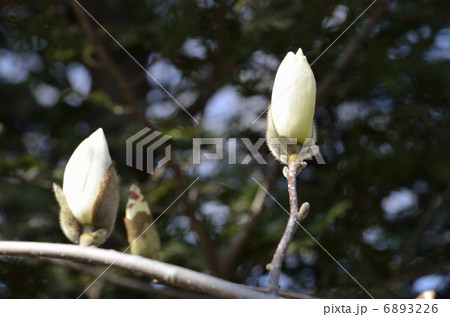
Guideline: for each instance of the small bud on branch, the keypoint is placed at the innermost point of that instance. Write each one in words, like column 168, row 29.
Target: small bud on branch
column 141, row 231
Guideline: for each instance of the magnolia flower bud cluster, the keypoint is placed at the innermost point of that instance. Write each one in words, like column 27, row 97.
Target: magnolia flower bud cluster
column 89, row 197
column 290, row 124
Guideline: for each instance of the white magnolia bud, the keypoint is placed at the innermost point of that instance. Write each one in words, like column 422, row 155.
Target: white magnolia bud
column 90, row 194
column 291, row 112
column 83, row 175
column 294, row 98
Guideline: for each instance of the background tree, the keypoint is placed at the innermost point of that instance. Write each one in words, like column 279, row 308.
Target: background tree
column 379, row 205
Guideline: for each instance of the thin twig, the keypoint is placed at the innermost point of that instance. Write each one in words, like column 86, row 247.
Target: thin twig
column 295, row 216
column 165, row 273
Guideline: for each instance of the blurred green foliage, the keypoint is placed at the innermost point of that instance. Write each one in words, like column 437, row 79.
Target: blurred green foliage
column 379, row 206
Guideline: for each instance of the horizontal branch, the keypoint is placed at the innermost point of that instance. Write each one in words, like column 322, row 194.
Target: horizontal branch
column 126, row 282
column 165, row 273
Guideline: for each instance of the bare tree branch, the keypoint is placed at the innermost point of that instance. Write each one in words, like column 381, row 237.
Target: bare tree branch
column 165, row 273
column 295, row 216
column 125, row 282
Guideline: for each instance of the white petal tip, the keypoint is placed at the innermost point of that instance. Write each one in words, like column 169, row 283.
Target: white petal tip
column 98, row 133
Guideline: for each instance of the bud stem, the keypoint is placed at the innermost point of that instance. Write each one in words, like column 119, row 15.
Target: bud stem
column 294, row 167
column 88, row 228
